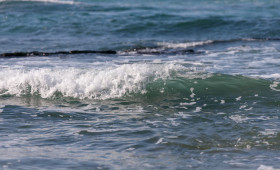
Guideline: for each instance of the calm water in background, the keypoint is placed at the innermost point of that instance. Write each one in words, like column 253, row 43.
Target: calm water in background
column 154, row 104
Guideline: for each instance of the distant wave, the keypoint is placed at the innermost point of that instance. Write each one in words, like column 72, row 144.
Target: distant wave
column 45, row 1
column 186, row 44
column 208, row 42
column 188, row 47
column 156, row 49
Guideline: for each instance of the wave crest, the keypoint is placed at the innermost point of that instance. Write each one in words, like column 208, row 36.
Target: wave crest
column 111, row 82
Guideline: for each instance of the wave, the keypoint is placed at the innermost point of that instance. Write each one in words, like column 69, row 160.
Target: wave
column 186, row 44
column 210, row 42
column 188, row 47
column 111, row 82
column 153, row 49
column 150, row 81
column 70, row 2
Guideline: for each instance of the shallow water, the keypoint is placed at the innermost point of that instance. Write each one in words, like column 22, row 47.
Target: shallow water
column 193, row 84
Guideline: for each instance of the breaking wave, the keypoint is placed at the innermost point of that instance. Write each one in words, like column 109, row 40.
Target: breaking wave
column 149, row 80
column 104, row 83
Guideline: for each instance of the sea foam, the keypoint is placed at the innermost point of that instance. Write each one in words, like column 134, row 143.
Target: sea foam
column 94, row 83
column 185, row 45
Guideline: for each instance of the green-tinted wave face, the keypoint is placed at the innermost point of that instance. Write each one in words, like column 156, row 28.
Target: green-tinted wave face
column 215, row 89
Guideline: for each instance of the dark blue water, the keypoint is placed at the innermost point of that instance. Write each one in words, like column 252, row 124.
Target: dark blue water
column 185, row 85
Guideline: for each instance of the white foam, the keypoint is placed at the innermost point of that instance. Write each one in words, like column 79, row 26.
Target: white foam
column 221, row 113
column 173, row 122
column 243, row 107
column 94, row 83
column 192, row 95
column 238, row 98
column 159, row 141
column 185, row 45
column 233, row 50
column 1, row 108
column 238, row 118
column 188, row 104
column 183, row 115
column 197, row 109
column 130, row 149
column 265, row 167
column 269, row 76
column 269, row 132
column 275, row 86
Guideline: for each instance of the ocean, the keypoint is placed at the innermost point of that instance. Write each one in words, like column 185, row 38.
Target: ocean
column 163, row 84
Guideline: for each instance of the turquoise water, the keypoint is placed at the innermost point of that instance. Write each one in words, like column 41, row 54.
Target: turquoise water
column 186, row 85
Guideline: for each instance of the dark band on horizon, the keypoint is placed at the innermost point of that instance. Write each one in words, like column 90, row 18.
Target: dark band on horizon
column 37, row 53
